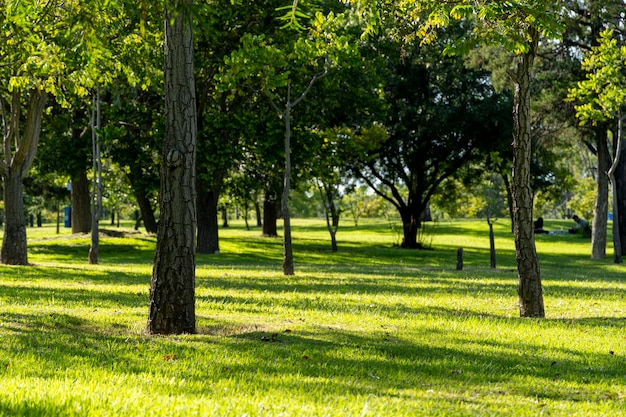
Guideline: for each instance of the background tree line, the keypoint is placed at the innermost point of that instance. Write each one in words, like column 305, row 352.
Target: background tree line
column 419, row 110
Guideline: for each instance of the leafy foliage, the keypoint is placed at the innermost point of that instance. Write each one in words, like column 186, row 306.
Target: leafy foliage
column 602, row 95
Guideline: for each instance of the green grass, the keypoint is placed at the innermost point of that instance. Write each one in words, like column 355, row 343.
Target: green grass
column 370, row 331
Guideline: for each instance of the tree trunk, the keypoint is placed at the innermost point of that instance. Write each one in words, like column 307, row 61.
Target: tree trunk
column 14, row 248
column 96, row 198
column 509, row 193
column 331, row 213
column 530, row 290
column 81, row 203
column 172, row 288
column 619, row 203
column 224, row 216
column 599, row 225
column 618, row 163
column 288, row 267
column 492, row 245
column 208, row 227
column 270, row 216
column 146, row 210
column 257, row 212
column 410, row 227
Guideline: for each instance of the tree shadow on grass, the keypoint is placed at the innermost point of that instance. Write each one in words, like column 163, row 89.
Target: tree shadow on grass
column 76, row 252
column 330, row 360
column 89, row 296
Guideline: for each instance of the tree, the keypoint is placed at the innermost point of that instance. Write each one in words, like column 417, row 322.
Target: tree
column 275, row 71
column 172, row 288
column 36, row 63
column 441, row 115
column 584, row 22
column 331, row 177
column 601, row 97
column 517, row 27
column 65, row 149
column 96, row 198
column 131, row 140
column 133, row 104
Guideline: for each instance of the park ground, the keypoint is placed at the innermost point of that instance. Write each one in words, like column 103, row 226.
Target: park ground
column 373, row 330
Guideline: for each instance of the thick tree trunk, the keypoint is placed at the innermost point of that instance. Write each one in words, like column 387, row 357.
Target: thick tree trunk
column 81, row 204
column 172, row 288
column 410, row 226
column 270, row 216
column 599, row 225
column 208, row 227
column 530, row 290
column 14, row 248
column 147, row 211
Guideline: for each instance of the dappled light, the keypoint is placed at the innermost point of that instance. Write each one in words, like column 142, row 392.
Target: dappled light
column 372, row 325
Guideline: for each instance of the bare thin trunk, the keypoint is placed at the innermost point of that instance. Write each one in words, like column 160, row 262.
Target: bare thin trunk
column 288, row 268
column 617, row 241
column 599, row 225
column 97, row 182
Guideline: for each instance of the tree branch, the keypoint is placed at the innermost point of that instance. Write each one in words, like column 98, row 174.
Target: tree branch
column 315, row 78
column 25, row 153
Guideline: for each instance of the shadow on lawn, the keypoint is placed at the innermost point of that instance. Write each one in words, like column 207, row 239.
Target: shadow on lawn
column 136, row 251
column 320, row 361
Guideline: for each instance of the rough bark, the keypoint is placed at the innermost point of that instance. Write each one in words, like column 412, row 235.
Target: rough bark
column 601, row 208
column 530, row 290
column 81, row 203
column 208, row 227
column 172, row 288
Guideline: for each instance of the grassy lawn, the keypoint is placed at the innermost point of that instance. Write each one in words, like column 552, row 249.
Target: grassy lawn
column 370, row 331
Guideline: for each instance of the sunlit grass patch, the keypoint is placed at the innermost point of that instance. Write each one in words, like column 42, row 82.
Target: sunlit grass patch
column 372, row 330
